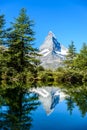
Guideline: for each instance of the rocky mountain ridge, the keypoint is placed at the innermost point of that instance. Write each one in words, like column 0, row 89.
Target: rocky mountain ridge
column 52, row 52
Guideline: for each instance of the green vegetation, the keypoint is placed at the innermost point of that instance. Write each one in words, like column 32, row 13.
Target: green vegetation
column 71, row 55
column 74, row 70
column 18, row 57
column 20, row 70
column 18, row 60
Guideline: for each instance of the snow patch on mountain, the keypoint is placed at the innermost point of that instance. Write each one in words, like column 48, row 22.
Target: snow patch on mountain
column 53, row 53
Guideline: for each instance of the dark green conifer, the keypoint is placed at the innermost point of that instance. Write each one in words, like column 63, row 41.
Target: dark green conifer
column 20, row 41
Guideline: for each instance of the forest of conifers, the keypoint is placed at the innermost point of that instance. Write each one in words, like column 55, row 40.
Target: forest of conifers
column 18, row 57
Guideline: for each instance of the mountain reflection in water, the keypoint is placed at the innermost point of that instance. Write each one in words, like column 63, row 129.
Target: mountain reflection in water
column 49, row 97
column 44, row 108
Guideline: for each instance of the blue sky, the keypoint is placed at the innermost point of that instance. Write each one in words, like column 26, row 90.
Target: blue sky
column 67, row 19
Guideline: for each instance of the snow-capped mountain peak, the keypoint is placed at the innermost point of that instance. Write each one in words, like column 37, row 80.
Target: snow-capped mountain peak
column 51, row 50
column 52, row 45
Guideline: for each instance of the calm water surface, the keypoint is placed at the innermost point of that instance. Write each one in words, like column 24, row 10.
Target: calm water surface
column 59, row 113
column 45, row 108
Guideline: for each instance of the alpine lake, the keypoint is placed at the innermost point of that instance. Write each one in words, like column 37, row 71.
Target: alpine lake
column 43, row 107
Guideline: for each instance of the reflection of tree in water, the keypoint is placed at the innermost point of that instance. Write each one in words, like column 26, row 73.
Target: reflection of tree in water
column 16, row 107
column 70, row 104
column 78, row 96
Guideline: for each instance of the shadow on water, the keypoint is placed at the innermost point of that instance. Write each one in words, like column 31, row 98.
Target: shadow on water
column 17, row 103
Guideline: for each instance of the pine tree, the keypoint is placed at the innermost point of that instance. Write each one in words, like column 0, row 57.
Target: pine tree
column 2, row 42
column 71, row 55
column 2, row 31
column 20, row 42
column 81, row 60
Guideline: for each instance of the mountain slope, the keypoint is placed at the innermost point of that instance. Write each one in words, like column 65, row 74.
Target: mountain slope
column 53, row 53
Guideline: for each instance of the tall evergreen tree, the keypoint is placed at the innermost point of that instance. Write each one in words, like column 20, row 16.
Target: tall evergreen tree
column 81, row 60
column 2, row 31
column 71, row 55
column 71, row 51
column 2, row 42
column 20, row 42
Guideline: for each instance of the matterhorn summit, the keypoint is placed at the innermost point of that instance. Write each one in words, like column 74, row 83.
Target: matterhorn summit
column 52, row 52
